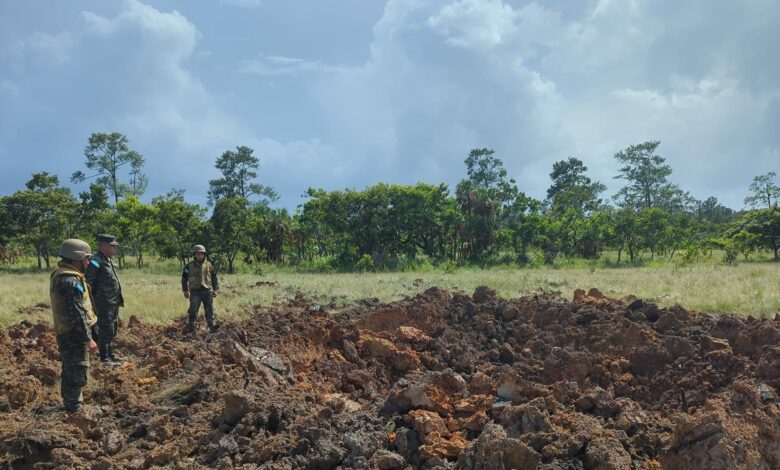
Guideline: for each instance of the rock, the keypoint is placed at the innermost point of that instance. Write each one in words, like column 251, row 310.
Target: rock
column 256, row 360
column 766, row 393
column 134, row 322
column 386, row 460
column 606, row 453
column 671, row 320
column 451, row 382
column 26, row 390
column 427, row 423
column 414, row 336
column 361, row 444
column 407, row 442
column 227, row 446
column 112, row 442
column 64, row 458
column 690, row 430
column 44, row 372
column 358, row 377
column 509, row 312
column 511, row 387
column 708, row 343
column 702, row 442
column 495, row 451
column 449, row 447
column 596, row 294
column 350, row 351
column 162, row 455
column 88, row 420
column 237, row 404
column 477, row 421
column 483, row 294
column 521, row 419
column 481, row 384
column 399, row 359
column 635, row 304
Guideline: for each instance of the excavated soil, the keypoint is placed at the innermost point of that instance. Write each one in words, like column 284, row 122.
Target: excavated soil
column 441, row 380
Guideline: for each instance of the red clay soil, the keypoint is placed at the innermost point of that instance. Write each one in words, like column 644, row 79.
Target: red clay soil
column 441, row 380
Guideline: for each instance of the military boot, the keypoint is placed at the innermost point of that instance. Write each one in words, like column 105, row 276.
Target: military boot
column 115, row 357
column 214, row 327
column 105, row 355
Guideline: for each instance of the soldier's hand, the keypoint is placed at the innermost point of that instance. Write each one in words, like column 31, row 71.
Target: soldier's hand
column 92, row 346
column 214, row 293
column 186, row 294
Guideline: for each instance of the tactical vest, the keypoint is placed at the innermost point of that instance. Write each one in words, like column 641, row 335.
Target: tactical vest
column 59, row 309
column 200, row 275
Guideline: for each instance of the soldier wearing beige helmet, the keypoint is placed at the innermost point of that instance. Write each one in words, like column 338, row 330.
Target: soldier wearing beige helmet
column 74, row 318
column 200, row 284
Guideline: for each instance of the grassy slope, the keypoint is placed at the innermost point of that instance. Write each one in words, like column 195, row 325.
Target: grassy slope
column 154, row 294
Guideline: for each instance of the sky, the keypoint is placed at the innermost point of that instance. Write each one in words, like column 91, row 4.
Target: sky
column 350, row 93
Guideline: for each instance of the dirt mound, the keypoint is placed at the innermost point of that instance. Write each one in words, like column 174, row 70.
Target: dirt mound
column 442, row 380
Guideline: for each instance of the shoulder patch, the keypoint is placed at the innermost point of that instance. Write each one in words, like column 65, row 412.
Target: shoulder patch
column 187, row 269
column 79, row 288
column 94, row 262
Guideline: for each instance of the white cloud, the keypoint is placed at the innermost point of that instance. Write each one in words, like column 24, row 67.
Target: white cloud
column 45, row 48
column 475, row 24
column 536, row 81
column 282, row 66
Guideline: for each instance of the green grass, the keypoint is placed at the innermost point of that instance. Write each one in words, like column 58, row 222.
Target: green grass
column 154, row 293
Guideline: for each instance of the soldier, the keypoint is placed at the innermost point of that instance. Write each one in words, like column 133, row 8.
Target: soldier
column 200, row 284
column 74, row 316
column 107, row 295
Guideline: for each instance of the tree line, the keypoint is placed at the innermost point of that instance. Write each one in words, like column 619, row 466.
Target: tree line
column 487, row 219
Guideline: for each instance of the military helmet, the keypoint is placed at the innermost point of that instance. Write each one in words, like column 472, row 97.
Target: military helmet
column 74, row 249
column 198, row 249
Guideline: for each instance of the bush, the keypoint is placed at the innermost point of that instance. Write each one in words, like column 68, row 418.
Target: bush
column 365, row 263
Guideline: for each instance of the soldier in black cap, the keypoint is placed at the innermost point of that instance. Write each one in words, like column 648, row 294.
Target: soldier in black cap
column 107, row 295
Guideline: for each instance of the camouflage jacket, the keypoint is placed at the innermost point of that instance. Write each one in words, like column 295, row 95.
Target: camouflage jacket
column 102, row 278
column 68, row 297
column 199, row 276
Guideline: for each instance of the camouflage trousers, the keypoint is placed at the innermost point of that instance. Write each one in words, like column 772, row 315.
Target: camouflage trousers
column 75, row 370
column 198, row 296
column 107, row 325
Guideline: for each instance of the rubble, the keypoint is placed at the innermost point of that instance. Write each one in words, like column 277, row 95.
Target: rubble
column 441, row 380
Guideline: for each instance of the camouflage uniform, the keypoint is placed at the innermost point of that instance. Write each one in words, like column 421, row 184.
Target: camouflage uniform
column 74, row 317
column 200, row 280
column 107, row 296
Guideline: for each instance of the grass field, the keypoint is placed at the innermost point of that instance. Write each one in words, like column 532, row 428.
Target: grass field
column 153, row 294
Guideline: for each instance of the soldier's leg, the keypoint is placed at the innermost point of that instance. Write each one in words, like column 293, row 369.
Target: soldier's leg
column 75, row 368
column 192, row 313
column 114, row 330
column 105, row 332
column 208, row 306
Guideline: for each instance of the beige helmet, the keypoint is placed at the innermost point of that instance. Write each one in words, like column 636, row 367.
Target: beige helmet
column 74, row 249
column 198, row 249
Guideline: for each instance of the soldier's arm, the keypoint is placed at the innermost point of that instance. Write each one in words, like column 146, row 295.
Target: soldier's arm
column 92, row 272
column 214, row 279
column 185, row 278
column 73, row 293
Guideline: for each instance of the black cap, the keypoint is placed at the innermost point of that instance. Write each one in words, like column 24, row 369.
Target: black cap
column 110, row 239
